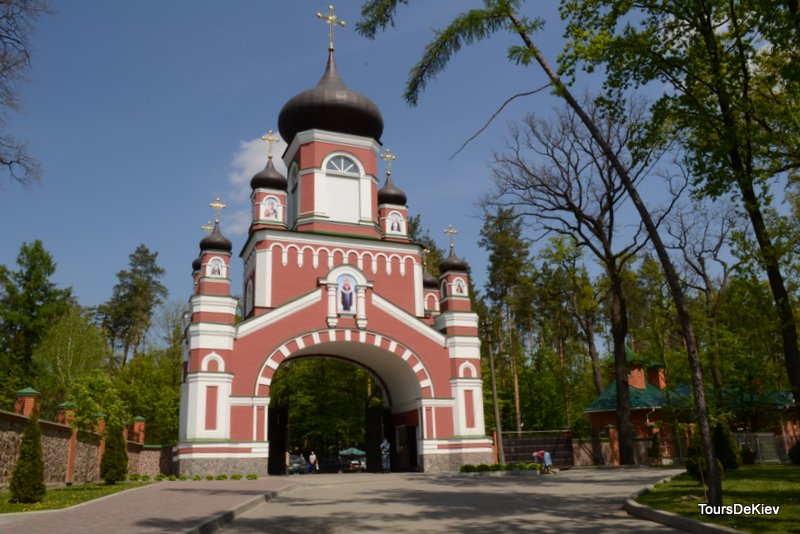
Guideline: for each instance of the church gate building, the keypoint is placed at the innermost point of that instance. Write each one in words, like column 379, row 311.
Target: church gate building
column 329, row 271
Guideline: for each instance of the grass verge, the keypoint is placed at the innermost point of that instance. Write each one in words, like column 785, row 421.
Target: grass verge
column 65, row 497
column 774, row 485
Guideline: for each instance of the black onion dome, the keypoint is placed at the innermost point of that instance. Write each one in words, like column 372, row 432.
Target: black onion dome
column 391, row 194
column 428, row 280
column 215, row 241
column 453, row 263
column 197, row 263
column 331, row 106
column 269, row 178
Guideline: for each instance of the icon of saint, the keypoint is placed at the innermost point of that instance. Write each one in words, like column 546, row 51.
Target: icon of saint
column 346, row 296
column 271, row 209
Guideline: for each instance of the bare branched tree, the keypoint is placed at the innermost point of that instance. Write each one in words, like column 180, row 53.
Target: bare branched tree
column 16, row 26
column 557, row 176
column 702, row 236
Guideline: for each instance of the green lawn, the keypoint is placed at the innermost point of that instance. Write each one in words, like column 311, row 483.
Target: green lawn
column 774, row 485
column 65, row 497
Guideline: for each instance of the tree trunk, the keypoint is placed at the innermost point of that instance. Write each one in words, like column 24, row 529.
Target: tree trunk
column 498, row 427
column 591, row 346
column 787, row 323
column 619, row 330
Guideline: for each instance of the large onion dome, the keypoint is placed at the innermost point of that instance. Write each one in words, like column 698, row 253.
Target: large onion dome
column 215, row 241
column 331, row 106
column 453, row 263
column 391, row 194
column 269, row 178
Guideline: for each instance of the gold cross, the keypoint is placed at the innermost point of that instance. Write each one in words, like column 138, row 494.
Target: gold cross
column 331, row 19
column 452, row 232
column 207, row 227
column 218, row 206
column 388, row 157
column 270, row 138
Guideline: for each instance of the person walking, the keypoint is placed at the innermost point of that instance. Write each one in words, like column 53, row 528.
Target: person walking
column 386, row 450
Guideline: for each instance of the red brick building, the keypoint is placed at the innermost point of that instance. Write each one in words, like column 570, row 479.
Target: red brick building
column 329, row 271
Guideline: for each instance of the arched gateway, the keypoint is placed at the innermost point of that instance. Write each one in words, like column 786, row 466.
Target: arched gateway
column 329, row 271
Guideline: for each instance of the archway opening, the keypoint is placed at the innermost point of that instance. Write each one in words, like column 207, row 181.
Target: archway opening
column 327, row 405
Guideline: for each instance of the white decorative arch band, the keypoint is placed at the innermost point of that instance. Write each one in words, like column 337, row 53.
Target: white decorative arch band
column 359, row 259
column 213, row 357
column 467, row 370
column 301, row 342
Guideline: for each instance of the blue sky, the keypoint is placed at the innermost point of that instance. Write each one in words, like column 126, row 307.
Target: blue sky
column 141, row 113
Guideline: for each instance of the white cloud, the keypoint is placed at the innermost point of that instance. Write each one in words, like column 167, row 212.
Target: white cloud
column 239, row 221
column 249, row 160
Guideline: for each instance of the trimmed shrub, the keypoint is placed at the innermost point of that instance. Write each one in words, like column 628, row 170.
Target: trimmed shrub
column 183, row 477
column 496, row 467
column 145, row 478
column 114, row 465
column 696, row 464
column 483, row 468
column 468, row 468
column 748, row 455
column 252, row 476
column 172, row 478
column 726, row 447
column 133, row 477
column 236, row 476
column 209, row 477
column 222, row 477
column 27, row 480
column 160, row 477
column 697, row 467
column 197, row 477
column 794, row 453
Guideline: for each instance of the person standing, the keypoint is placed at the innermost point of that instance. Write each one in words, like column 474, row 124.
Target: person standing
column 386, row 450
column 312, row 459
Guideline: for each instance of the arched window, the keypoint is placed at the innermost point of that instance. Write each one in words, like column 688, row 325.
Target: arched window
column 342, row 165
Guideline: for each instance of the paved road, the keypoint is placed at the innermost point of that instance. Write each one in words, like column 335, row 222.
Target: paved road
column 575, row 501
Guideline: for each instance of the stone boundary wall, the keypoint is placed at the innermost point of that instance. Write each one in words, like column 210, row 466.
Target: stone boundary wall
column 600, row 451
column 520, row 446
column 86, row 461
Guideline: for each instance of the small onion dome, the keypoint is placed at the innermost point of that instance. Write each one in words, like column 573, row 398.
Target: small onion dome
column 215, row 241
column 269, row 178
column 197, row 263
column 391, row 194
column 428, row 280
column 453, row 263
column 330, row 106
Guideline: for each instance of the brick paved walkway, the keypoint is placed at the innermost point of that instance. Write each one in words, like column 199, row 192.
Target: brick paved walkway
column 165, row 507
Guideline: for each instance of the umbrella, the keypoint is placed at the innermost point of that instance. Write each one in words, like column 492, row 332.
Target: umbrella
column 352, row 451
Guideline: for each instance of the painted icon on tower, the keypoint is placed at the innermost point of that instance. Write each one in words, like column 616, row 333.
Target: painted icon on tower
column 347, row 290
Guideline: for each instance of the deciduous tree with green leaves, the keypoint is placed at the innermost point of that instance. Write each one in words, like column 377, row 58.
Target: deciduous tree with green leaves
column 70, row 347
